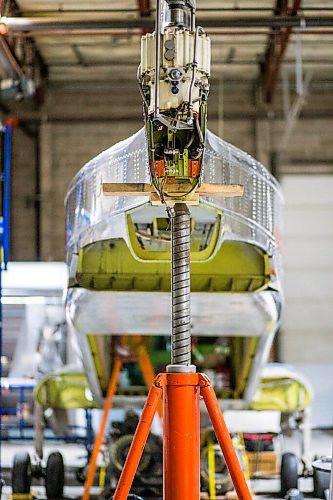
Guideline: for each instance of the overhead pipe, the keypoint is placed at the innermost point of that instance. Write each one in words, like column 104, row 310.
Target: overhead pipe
column 277, row 47
column 8, row 61
column 125, row 33
column 10, row 25
column 144, row 7
column 79, row 11
column 215, row 62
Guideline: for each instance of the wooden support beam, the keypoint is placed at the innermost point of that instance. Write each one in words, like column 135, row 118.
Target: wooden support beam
column 141, row 189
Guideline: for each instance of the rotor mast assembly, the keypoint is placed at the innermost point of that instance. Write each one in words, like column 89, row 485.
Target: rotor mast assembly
column 173, row 78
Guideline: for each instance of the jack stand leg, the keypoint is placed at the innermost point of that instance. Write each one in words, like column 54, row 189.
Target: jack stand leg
column 181, row 437
column 139, row 441
column 224, row 440
column 99, row 438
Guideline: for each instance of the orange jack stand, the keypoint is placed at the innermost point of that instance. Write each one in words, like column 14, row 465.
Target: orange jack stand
column 144, row 362
column 181, row 437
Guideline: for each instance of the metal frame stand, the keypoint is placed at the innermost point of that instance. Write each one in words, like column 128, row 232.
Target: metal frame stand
column 181, row 436
column 181, row 389
column 6, row 152
column 147, row 371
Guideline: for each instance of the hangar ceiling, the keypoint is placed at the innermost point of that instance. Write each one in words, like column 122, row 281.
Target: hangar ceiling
column 98, row 41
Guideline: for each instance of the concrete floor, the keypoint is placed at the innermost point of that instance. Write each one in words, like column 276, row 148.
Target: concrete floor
column 74, row 457
column 263, row 489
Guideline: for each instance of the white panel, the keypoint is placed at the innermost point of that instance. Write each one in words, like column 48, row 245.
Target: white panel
column 302, row 252
column 321, row 376
column 313, row 314
column 309, row 284
column 307, row 346
column 312, row 220
column 307, row 324
column 308, row 190
column 253, row 421
column 35, row 276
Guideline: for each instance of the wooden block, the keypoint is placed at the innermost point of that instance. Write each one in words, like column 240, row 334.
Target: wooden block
column 126, row 189
column 155, row 200
column 262, row 463
column 141, row 189
column 228, row 190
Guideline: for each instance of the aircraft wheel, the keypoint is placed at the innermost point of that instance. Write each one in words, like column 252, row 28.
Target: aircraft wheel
column 321, row 482
column 21, row 473
column 55, row 476
column 289, row 473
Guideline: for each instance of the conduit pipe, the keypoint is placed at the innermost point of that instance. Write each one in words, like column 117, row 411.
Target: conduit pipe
column 10, row 25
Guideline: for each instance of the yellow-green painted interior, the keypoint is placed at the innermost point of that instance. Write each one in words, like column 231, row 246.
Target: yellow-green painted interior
column 110, row 265
column 64, row 391
column 99, row 354
column 70, row 390
column 196, row 254
column 282, row 394
column 234, row 266
column 249, row 348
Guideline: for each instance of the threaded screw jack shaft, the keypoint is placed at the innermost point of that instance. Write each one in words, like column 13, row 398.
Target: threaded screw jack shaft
column 180, row 285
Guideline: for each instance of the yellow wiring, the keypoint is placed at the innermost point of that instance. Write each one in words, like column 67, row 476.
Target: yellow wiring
column 102, row 474
column 21, row 496
column 244, row 456
column 211, row 469
column 246, row 465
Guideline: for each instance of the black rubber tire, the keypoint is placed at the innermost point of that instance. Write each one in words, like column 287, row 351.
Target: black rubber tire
column 81, row 475
column 289, row 473
column 21, row 473
column 321, row 482
column 55, row 476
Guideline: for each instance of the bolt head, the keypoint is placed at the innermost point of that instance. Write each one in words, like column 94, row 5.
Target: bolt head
column 175, row 74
